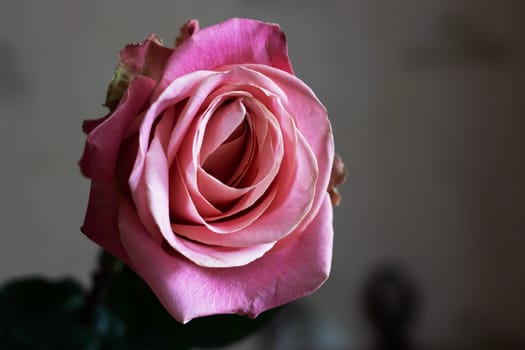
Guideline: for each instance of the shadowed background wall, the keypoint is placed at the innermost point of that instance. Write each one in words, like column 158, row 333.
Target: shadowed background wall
column 426, row 100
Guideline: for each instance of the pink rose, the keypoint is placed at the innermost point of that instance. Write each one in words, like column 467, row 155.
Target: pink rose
column 210, row 175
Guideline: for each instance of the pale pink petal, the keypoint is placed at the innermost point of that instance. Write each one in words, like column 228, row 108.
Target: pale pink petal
column 218, row 194
column 182, row 208
column 292, row 269
column 199, row 254
column 310, row 116
column 199, row 87
column 209, row 92
column 294, row 204
column 227, row 152
column 155, row 169
column 235, row 41
column 102, row 148
column 183, row 133
column 192, row 140
column 210, row 194
column 217, row 126
column 258, row 175
column 291, row 204
column 154, row 211
column 179, row 90
column 188, row 221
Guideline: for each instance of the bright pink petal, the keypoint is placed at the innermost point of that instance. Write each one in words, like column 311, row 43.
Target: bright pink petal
column 102, row 148
column 294, row 268
column 235, row 41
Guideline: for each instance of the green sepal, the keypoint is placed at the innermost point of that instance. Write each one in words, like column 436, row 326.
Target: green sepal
column 118, row 86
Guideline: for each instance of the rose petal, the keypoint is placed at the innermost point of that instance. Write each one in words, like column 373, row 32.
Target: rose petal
column 292, row 207
column 187, row 220
column 187, row 30
column 146, row 58
column 150, row 200
column 90, row 124
column 292, row 203
column 263, row 169
column 235, row 41
column 214, row 130
column 199, row 254
column 202, row 89
column 182, row 88
column 310, row 116
column 292, row 269
column 102, row 147
column 157, row 216
column 208, row 193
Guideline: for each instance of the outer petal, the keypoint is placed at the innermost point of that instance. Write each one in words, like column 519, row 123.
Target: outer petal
column 102, row 148
column 235, row 41
column 87, row 127
column 146, row 58
column 294, row 268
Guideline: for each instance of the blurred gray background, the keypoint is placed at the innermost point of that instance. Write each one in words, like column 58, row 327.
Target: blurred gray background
column 427, row 104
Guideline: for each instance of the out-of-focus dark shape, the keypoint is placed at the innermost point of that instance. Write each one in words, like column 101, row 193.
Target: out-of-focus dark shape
column 391, row 302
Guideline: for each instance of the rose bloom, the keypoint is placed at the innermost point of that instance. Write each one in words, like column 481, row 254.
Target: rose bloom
column 210, row 175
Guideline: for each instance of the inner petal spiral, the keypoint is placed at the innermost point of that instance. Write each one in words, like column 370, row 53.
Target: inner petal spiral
column 221, row 163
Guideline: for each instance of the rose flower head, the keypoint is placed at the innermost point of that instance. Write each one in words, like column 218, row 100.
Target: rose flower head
column 210, row 174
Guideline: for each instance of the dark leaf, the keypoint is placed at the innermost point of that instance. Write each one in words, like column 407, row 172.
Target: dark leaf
column 36, row 313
